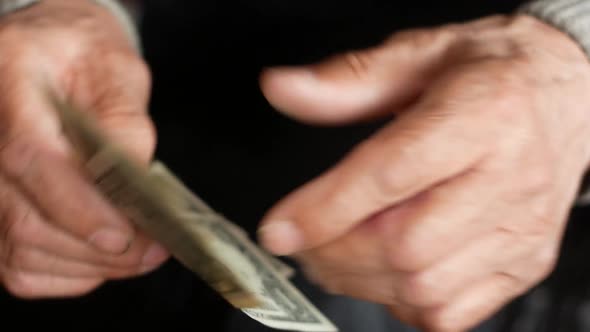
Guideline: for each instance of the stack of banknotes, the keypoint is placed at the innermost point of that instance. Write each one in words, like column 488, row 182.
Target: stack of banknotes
column 204, row 241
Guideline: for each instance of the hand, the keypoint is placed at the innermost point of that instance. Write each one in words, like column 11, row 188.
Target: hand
column 459, row 204
column 58, row 235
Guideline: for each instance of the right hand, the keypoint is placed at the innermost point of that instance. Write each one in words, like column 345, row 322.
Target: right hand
column 59, row 236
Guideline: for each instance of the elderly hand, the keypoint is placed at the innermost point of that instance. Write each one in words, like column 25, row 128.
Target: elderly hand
column 460, row 203
column 58, row 235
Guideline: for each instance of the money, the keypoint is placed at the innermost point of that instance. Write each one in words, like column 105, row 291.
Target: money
column 204, row 241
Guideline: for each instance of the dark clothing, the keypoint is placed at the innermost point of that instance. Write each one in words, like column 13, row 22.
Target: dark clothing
column 221, row 137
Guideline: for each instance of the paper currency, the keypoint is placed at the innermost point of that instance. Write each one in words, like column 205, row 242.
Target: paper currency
column 204, row 241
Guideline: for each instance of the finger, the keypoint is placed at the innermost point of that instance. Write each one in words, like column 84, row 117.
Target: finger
column 481, row 299
column 442, row 219
column 22, row 225
column 35, row 155
column 438, row 284
column 474, row 305
column 404, row 159
column 366, row 247
column 120, row 109
column 37, row 286
column 372, row 287
column 358, row 250
column 481, row 258
column 118, row 105
column 65, row 196
column 32, row 260
column 359, row 84
column 450, row 215
column 431, row 287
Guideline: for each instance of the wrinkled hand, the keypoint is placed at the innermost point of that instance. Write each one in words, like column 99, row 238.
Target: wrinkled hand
column 58, row 235
column 460, row 203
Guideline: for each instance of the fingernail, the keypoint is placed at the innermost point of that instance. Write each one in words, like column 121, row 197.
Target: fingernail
column 110, row 240
column 155, row 255
column 281, row 237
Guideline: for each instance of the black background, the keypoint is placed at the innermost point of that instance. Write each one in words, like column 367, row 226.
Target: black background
column 220, row 136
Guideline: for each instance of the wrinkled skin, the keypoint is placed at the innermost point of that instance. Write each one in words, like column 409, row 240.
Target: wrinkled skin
column 459, row 204
column 58, row 235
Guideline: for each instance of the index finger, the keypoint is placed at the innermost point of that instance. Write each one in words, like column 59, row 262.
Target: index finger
column 421, row 149
column 64, row 195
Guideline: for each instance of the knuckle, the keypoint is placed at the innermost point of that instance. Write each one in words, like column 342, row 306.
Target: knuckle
column 499, row 19
column 18, row 284
column 6, row 225
column 136, row 71
column 149, row 139
column 121, row 273
column 17, row 155
column 506, row 97
column 312, row 220
column 406, row 42
column 17, row 226
column 544, row 263
column 537, row 229
column 537, row 178
column 519, row 23
column 12, row 253
column 131, row 259
column 504, row 87
column 440, row 321
column 360, row 64
column 141, row 72
column 387, row 181
column 419, row 289
column 407, row 255
column 516, row 20
column 140, row 132
column 14, row 257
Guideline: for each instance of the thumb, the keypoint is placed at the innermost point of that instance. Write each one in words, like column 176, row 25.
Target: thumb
column 357, row 85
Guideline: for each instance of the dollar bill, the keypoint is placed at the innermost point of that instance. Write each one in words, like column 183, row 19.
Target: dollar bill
column 204, row 241
column 160, row 170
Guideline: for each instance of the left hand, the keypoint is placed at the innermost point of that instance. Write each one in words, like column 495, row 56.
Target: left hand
column 459, row 205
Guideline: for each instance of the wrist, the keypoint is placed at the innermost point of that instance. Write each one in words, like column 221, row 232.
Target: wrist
column 572, row 18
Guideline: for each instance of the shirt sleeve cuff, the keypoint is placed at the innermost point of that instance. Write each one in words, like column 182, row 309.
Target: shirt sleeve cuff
column 570, row 16
column 128, row 23
column 573, row 18
column 9, row 6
